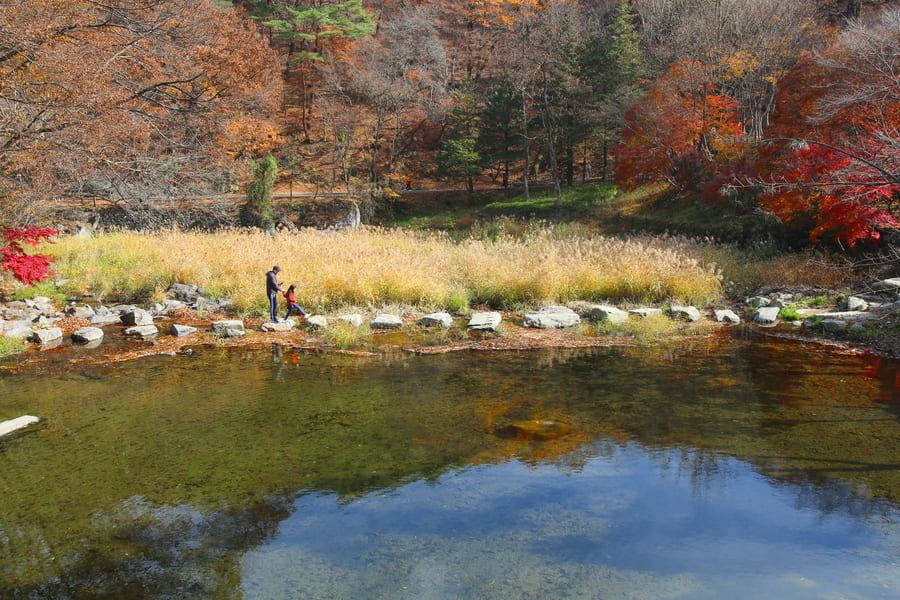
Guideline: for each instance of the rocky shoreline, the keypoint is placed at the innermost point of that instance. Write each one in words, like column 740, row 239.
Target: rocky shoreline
column 186, row 318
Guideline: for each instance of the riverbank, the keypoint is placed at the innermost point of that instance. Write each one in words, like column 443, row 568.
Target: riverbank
column 871, row 329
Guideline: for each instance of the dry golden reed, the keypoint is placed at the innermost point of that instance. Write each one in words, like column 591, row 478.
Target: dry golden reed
column 370, row 267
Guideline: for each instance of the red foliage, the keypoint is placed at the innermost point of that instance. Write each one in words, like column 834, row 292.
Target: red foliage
column 832, row 157
column 677, row 129
column 26, row 268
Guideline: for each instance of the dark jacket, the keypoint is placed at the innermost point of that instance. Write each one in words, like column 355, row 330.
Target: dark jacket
column 272, row 286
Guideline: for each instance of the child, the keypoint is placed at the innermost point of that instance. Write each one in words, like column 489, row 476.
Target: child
column 291, row 302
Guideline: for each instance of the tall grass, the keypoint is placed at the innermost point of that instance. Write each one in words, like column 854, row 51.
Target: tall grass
column 373, row 267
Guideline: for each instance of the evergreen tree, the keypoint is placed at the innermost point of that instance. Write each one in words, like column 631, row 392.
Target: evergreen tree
column 618, row 68
column 257, row 212
column 459, row 158
column 498, row 137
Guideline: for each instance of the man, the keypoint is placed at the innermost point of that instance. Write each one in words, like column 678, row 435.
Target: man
column 272, row 288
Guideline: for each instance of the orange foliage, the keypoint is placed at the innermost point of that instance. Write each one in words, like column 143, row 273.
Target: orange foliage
column 682, row 120
column 104, row 89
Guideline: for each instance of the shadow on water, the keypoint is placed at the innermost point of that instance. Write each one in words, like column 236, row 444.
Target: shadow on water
column 163, row 477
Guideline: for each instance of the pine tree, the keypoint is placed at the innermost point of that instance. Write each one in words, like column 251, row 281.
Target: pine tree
column 459, row 157
column 498, row 136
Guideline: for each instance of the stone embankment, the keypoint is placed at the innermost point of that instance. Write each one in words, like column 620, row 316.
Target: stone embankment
column 39, row 321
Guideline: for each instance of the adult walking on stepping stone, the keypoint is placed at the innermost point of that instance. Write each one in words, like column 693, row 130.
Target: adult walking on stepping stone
column 273, row 286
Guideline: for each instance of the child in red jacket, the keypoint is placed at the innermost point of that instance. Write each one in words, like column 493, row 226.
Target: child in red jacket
column 292, row 303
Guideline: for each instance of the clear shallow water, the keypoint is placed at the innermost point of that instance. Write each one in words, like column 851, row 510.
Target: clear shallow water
column 723, row 468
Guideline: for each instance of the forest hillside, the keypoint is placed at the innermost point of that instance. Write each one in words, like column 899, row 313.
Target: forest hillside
column 786, row 108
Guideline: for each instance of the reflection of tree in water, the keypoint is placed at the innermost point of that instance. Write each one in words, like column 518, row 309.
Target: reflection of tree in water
column 161, row 552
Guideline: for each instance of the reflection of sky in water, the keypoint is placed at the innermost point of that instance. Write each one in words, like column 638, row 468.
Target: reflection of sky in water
column 625, row 526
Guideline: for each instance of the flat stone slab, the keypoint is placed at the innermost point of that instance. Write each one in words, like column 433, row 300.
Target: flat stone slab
column 17, row 330
column 386, row 322
column 846, row 314
column 887, row 285
column 178, row 330
column 144, row 331
column 726, row 316
column 105, row 319
column 688, row 313
column 834, row 325
column 47, row 335
column 767, row 315
column 485, row 321
column 354, row 319
column 438, row 319
column 279, row 326
column 13, row 425
column 222, row 326
column 606, row 313
column 551, row 317
column 316, row 322
column 86, row 335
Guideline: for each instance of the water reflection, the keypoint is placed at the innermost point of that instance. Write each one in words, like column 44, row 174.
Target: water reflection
column 512, row 475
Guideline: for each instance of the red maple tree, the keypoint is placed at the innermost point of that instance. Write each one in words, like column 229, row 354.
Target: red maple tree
column 27, row 268
column 681, row 125
column 832, row 156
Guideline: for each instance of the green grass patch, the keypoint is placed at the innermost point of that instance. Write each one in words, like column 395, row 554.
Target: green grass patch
column 10, row 346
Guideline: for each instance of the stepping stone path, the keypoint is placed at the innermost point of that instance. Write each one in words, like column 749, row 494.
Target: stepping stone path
column 316, row 322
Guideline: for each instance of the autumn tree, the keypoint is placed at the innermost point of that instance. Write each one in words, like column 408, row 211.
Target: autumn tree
column 832, row 157
column 394, row 85
column 123, row 98
column 744, row 45
column 682, row 124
